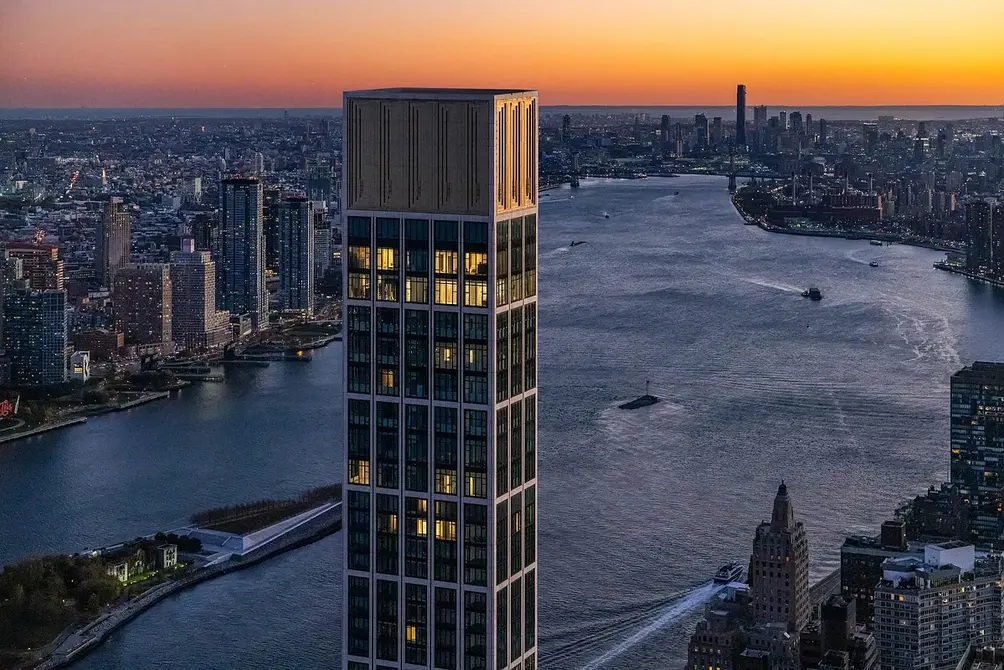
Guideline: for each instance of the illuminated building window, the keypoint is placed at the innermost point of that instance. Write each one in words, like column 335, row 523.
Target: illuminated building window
column 446, row 291
column 359, row 472
column 446, row 262
column 386, row 258
column 417, row 290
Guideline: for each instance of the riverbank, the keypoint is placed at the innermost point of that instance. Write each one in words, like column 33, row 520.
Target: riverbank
column 291, row 534
column 838, row 234
column 75, row 417
column 956, row 269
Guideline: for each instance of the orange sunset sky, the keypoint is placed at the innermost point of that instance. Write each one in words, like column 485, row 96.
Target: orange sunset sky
column 304, row 53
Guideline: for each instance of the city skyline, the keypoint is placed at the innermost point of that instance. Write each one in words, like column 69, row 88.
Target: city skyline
column 572, row 54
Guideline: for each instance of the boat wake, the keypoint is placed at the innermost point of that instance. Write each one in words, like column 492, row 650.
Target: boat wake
column 643, row 623
column 787, row 288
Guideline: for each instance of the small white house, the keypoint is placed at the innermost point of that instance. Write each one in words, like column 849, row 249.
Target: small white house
column 80, row 366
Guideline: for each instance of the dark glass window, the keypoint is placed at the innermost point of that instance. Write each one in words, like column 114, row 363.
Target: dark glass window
column 416, row 617
column 475, row 631
column 416, row 263
column 516, row 524
column 358, row 229
column 530, row 254
column 387, row 437
column 446, row 355
column 359, row 348
column 516, row 619
column 516, row 350
column 516, row 259
column 416, row 447
column 501, row 542
column 530, row 430
column 530, row 615
column 501, row 451
column 446, row 628
column 530, row 522
column 501, row 357
column 475, row 545
column 516, row 439
column 358, row 623
column 359, row 531
column 388, row 351
column 475, row 453
column 502, row 629
column 386, row 620
column 476, row 358
column 386, row 534
column 445, row 450
column 502, row 263
column 359, row 441
column 416, row 353
column 530, row 338
column 446, row 541
column 416, row 538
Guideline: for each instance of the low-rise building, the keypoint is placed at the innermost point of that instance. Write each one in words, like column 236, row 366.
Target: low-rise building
column 80, row 366
column 166, row 556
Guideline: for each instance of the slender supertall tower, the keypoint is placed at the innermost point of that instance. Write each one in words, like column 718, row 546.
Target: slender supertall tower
column 741, row 116
column 296, row 255
column 240, row 251
column 112, row 244
column 440, row 312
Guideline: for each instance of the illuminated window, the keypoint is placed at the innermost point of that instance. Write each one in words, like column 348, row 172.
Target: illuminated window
column 417, row 289
column 446, row 530
column 446, row 262
column 446, row 291
column 386, row 258
column 386, row 288
column 359, row 286
column 446, row 481
column 359, row 258
column 446, row 355
column 388, row 382
column 359, row 472
column 475, row 293
column 411, row 633
column 476, row 264
column 421, row 526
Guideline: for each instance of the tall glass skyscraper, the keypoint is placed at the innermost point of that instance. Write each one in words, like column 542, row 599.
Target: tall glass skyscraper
column 977, row 458
column 440, row 194
column 296, row 255
column 240, row 251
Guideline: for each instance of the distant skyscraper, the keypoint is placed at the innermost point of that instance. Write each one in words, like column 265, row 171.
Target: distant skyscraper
column 566, row 128
column 296, row 255
column 441, row 379
column 741, row 115
column 997, row 241
column 240, row 251
column 319, row 184
column 35, row 336
column 664, row 140
column 195, row 321
column 760, row 117
column 702, row 131
column 257, row 163
column 822, row 131
column 322, row 248
column 782, row 118
column 142, row 296
column 112, row 249
column 979, row 235
column 795, row 121
column 779, row 568
column 270, row 212
column 977, row 436
column 40, row 265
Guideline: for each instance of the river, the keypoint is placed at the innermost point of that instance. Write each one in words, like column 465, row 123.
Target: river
column 846, row 399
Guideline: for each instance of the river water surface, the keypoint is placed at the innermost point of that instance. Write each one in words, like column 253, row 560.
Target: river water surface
column 846, row 399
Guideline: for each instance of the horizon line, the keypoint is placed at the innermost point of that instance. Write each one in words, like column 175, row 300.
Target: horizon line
column 629, row 105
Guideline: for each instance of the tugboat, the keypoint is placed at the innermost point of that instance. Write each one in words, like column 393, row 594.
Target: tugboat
column 812, row 293
column 730, row 572
column 873, row 264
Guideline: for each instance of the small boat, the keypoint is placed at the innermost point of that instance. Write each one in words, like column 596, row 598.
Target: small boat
column 812, row 293
column 730, row 572
column 676, row 193
column 873, row 264
column 605, row 215
column 575, row 244
column 876, row 243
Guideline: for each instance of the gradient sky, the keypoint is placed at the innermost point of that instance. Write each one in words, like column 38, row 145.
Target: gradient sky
column 304, row 53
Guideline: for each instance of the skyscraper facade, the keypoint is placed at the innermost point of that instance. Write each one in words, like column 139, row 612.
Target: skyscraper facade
column 240, row 251
column 977, row 444
column 142, row 297
column 440, row 194
column 112, row 248
column 35, row 336
column 979, row 241
column 779, row 567
column 741, row 116
column 296, row 255
column 195, row 321
column 41, row 266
